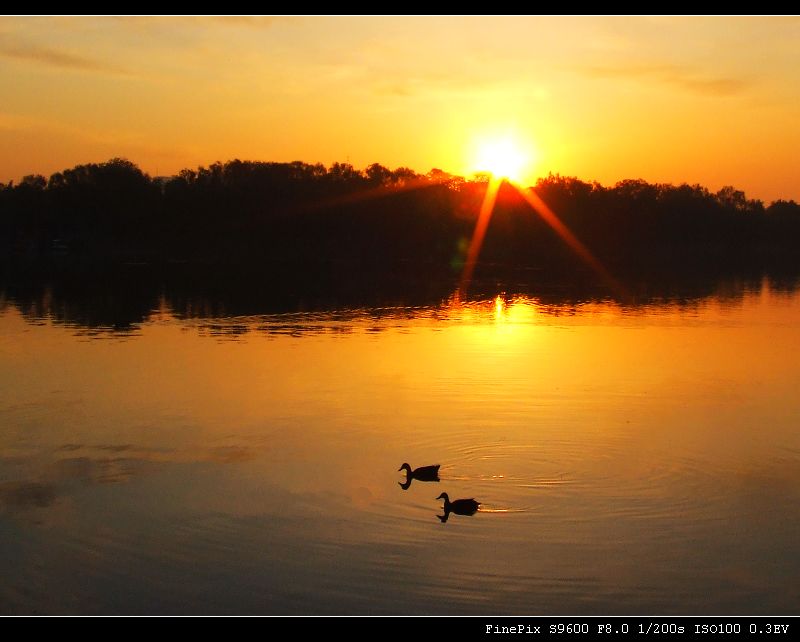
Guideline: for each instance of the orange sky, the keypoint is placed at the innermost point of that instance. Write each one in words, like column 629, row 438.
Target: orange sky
column 714, row 101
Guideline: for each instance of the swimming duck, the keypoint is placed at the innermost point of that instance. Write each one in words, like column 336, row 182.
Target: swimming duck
column 423, row 473
column 459, row 506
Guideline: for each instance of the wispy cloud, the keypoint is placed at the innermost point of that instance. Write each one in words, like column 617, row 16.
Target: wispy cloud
column 677, row 76
column 109, row 141
column 403, row 83
column 38, row 54
column 15, row 122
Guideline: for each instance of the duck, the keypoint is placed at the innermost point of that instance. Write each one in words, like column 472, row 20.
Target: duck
column 423, row 473
column 459, row 506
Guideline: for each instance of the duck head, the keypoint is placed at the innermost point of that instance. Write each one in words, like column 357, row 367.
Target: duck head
column 444, row 497
column 405, row 467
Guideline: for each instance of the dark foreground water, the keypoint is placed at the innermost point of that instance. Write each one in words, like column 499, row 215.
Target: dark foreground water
column 631, row 459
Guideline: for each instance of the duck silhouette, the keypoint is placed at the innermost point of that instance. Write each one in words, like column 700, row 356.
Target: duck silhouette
column 459, row 507
column 423, row 474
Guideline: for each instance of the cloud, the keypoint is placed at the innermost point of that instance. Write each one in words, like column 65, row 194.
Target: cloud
column 401, row 84
column 55, row 58
column 106, row 142
column 715, row 86
column 677, row 76
column 14, row 122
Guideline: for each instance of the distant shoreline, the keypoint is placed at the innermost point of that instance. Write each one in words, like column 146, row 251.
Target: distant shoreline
column 311, row 218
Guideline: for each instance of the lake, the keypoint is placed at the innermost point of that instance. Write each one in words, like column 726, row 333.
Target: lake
column 628, row 458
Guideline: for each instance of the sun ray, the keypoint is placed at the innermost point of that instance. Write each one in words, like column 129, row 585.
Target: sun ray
column 575, row 244
column 481, row 225
column 380, row 191
column 549, row 217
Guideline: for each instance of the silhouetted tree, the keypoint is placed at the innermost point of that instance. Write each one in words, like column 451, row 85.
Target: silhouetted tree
column 378, row 174
column 34, row 182
column 305, row 214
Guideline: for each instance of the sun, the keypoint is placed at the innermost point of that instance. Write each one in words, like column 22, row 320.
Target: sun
column 503, row 158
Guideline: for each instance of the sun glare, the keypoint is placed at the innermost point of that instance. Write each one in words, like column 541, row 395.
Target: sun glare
column 502, row 158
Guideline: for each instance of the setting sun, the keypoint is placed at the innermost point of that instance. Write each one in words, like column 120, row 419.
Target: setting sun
column 502, row 158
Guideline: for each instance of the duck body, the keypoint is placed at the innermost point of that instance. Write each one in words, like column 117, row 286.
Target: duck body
column 459, row 506
column 423, row 474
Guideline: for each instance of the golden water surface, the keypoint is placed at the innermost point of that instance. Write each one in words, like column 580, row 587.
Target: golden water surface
column 628, row 459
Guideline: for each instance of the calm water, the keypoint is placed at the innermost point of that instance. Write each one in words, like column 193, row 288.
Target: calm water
column 640, row 459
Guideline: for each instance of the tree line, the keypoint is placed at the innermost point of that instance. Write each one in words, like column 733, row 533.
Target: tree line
column 307, row 215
